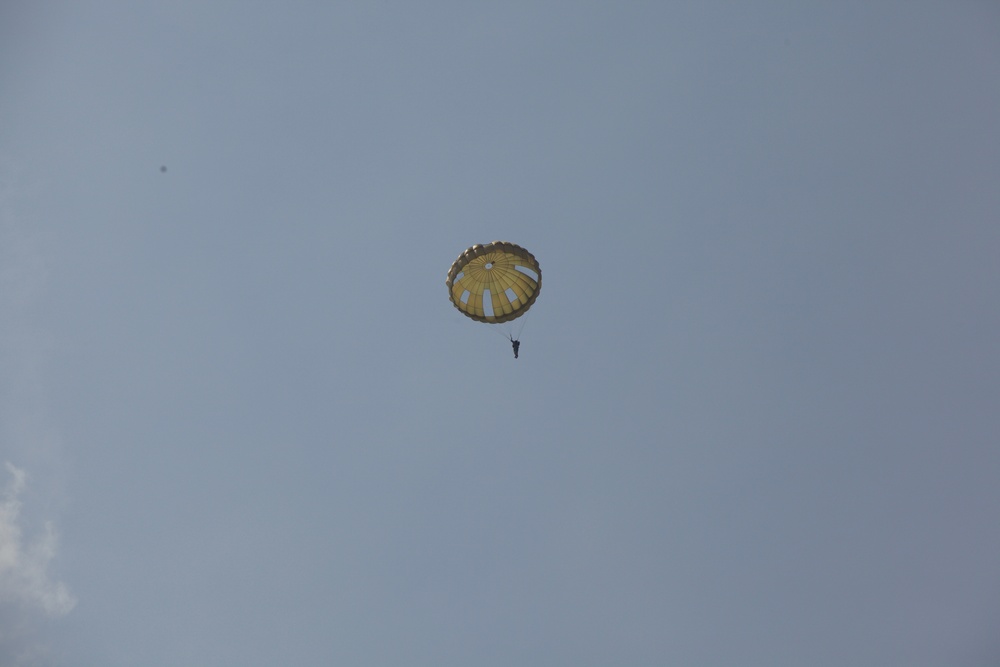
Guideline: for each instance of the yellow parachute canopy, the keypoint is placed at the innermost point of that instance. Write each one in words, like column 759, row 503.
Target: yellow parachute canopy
column 495, row 282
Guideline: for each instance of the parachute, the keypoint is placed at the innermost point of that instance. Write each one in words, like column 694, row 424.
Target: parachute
column 495, row 282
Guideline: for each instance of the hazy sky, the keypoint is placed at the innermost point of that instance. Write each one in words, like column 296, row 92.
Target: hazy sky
column 756, row 416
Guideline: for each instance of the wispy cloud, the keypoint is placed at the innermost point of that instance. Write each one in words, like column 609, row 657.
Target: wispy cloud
column 24, row 562
column 27, row 592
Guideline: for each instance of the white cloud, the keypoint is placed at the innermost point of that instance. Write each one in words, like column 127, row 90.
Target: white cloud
column 24, row 577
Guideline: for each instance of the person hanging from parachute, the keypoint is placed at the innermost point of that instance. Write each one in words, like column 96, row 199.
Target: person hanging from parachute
column 495, row 283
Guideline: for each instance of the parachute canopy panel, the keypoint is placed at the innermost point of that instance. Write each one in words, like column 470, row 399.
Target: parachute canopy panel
column 495, row 282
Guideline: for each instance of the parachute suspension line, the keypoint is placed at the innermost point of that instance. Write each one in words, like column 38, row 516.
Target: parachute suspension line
column 523, row 320
column 498, row 330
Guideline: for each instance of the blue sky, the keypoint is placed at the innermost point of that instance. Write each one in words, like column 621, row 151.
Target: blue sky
column 754, row 420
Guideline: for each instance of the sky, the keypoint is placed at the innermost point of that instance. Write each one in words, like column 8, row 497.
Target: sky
column 755, row 416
